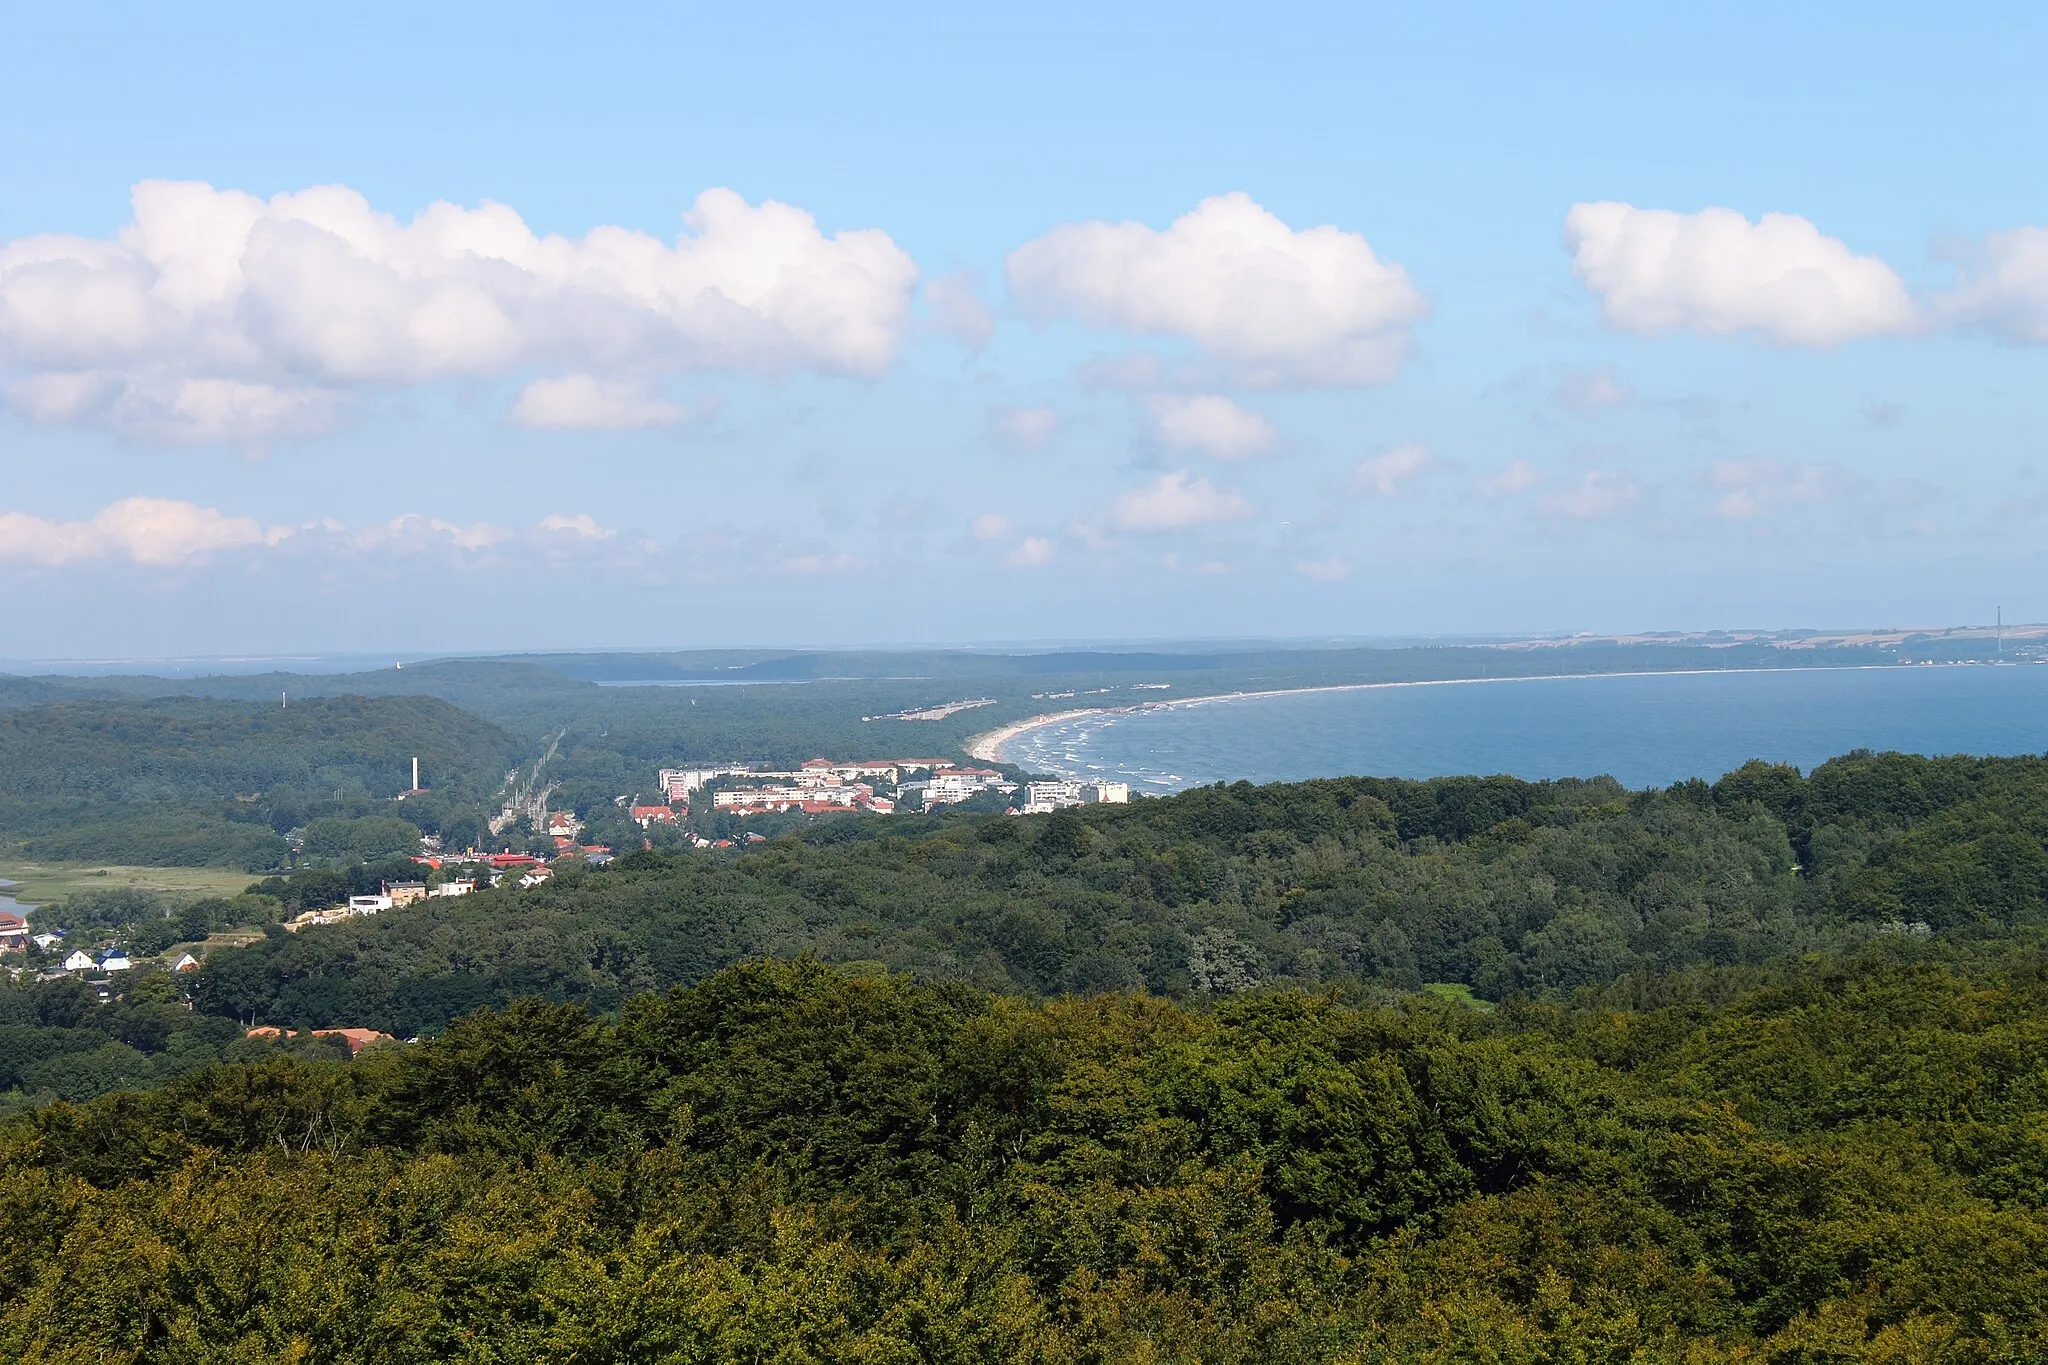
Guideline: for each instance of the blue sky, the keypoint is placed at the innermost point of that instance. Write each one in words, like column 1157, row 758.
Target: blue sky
column 1171, row 321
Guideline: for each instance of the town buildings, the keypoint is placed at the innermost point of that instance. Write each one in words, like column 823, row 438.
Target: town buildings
column 946, row 786
column 1043, row 797
column 823, row 786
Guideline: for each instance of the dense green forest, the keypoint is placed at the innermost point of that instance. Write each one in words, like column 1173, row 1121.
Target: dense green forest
column 1750, row 1071
column 1506, row 886
column 1841, row 1161
column 199, row 781
column 1374, row 886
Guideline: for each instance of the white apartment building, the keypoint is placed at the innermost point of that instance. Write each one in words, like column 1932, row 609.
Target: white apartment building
column 957, row 784
column 1042, row 797
column 1106, row 793
column 678, row 783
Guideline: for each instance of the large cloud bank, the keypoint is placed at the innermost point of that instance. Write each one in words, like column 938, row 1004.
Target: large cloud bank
column 1277, row 307
column 165, row 533
column 216, row 315
column 152, row 531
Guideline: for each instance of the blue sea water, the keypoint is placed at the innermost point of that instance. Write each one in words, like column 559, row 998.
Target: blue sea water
column 1645, row 730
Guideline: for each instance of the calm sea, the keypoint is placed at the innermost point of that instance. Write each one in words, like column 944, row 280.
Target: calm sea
column 1645, row 730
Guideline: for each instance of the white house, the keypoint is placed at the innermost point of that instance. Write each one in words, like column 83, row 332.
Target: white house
column 116, row 961
column 185, row 963
column 47, row 941
column 368, row 905
column 79, row 961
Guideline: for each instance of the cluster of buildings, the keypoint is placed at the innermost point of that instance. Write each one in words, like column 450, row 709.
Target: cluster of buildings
column 15, row 937
column 493, row 867
column 939, row 712
column 821, row 786
column 1041, row 798
column 78, row 961
column 825, row 786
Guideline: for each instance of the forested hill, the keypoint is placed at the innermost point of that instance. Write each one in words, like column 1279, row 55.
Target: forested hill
column 793, row 1163
column 185, row 748
column 203, row 782
column 1507, row 887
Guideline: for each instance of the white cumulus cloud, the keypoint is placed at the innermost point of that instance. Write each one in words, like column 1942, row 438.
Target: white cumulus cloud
column 1384, row 474
column 990, row 526
column 277, row 308
column 582, row 402
column 154, row 531
column 580, row 524
column 1213, row 425
column 1175, row 501
column 1278, row 307
column 1716, row 272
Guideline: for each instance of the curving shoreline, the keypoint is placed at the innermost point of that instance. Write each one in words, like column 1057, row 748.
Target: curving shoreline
column 988, row 746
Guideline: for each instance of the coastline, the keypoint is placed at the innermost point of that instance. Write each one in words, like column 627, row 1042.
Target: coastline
column 987, row 747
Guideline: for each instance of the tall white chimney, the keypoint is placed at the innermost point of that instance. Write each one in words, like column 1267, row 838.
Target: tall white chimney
column 415, row 772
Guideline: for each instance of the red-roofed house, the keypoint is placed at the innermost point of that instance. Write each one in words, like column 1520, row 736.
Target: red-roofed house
column 358, row 1038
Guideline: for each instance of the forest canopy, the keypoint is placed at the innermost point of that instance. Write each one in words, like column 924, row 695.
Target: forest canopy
column 1749, row 1071
column 795, row 1162
column 186, row 781
column 1504, row 886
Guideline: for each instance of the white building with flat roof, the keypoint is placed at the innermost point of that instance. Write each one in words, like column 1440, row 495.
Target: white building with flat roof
column 1041, row 798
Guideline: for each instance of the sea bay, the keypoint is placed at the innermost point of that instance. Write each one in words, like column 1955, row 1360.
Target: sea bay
column 1643, row 729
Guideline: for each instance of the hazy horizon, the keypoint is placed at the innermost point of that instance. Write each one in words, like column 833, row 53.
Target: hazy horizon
column 315, row 662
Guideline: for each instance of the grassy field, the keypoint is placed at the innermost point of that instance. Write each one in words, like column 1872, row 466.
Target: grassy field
column 40, row 883
column 1460, row 992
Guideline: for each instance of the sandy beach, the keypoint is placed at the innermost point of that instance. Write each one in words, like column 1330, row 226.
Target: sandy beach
column 988, row 747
